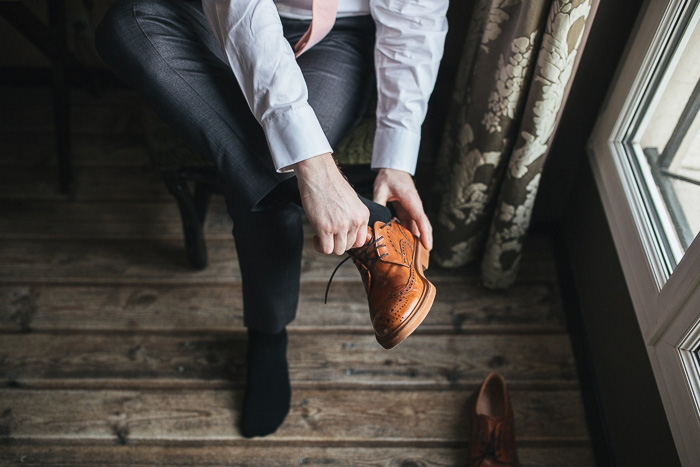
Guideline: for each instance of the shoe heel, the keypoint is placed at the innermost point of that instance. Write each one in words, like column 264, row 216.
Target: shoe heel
column 423, row 255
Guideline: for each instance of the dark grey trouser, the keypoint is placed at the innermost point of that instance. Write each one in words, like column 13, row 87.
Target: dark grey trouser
column 166, row 50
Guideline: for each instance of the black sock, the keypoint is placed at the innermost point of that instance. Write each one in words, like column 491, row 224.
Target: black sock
column 377, row 212
column 267, row 392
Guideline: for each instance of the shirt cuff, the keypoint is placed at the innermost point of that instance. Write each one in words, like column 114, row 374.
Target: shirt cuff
column 395, row 148
column 293, row 136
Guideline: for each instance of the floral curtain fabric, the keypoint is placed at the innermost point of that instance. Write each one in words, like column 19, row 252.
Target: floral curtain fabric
column 511, row 85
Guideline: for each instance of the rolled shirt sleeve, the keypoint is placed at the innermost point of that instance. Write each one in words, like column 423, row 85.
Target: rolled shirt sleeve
column 251, row 36
column 409, row 46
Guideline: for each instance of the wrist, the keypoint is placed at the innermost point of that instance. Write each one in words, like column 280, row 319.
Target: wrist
column 321, row 165
column 394, row 174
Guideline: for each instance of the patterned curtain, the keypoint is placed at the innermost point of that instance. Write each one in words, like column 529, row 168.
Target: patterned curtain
column 511, row 85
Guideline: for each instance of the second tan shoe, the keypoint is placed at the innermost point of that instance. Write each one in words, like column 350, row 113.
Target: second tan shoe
column 391, row 263
column 493, row 435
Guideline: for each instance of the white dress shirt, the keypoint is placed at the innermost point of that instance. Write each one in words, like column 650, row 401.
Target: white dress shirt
column 410, row 37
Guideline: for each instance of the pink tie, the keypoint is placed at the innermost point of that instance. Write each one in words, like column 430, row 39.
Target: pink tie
column 322, row 19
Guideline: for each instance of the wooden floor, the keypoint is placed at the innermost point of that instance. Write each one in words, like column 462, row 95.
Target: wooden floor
column 113, row 351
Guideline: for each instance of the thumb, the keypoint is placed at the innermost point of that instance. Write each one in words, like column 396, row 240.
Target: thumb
column 381, row 193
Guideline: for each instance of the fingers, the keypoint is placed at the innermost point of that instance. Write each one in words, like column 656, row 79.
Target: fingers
column 426, row 231
column 358, row 235
column 360, row 238
column 323, row 243
column 381, row 194
column 335, row 212
column 410, row 211
column 420, row 225
column 344, row 234
column 331, row 241
column 345, row 240
column 414, row 228
column 341, row 243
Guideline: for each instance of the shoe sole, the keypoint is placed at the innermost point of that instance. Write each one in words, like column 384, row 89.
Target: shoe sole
column 421, row 258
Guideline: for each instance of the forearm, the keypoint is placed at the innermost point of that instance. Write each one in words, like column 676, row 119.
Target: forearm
column 251, row 37
column 409, row 48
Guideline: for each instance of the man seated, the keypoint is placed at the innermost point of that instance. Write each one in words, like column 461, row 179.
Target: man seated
column 267, row 94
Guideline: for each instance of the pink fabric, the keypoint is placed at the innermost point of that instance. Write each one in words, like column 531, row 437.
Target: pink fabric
column 322, row 20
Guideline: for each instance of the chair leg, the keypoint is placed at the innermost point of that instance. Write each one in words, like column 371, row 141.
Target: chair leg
column 202, row 195
column 192, row 219
column 57, row 19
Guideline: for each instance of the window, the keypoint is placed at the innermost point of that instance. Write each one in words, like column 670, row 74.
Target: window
column 645, row 154
column 669, row 136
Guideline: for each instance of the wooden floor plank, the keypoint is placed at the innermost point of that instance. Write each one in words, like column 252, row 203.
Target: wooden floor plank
column 355, row 416
column 254, row 454
column 163, row 261
column 460, row 307
column 331, row 359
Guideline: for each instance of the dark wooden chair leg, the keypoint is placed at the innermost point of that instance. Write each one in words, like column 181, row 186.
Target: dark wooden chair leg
column 61, row 98
column 192, row 220
column 202, row 196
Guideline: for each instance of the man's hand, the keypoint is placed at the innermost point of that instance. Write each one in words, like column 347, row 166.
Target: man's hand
column 397, row 186
column 334, row 210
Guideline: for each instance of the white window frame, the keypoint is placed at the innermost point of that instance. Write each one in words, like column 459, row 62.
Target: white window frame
column 666, row 300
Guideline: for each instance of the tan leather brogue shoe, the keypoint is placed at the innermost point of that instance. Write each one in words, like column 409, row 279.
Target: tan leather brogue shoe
column 493, row 435
column 391, row 263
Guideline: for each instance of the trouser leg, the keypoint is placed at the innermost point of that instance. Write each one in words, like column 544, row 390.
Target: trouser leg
column 165, row 49
column 269, row 246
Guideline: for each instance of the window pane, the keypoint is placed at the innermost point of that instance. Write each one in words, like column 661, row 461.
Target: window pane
column 670, row 141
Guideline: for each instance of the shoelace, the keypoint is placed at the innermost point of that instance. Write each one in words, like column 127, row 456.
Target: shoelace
column 363, row 256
